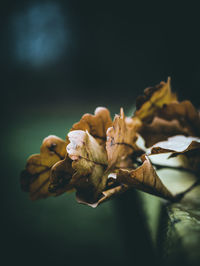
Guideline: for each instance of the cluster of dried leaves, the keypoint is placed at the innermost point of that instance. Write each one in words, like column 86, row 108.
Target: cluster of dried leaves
column 101, row 158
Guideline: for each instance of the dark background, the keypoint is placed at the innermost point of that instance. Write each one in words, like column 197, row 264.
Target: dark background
column 96, row 51
column 59, row 60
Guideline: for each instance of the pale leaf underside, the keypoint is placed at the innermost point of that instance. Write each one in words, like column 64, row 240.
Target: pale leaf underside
column 176, row 145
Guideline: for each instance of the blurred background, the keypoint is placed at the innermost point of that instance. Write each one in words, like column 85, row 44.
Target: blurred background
column 61, row 59
column 94, row 51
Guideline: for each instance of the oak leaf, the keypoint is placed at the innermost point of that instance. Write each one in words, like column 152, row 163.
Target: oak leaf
column 144, row 178
column 105, row 196
column 35, row 177
column 160, row 129
column 185, row 113
column 153, row 99
column 85, row 165
column 100, row 158
column 96, row 124
column 89, row 161
column 121, row 140
column 163, row 116
column 60, row 176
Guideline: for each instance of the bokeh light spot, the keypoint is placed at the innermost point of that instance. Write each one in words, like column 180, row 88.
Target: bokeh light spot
column 40, row 34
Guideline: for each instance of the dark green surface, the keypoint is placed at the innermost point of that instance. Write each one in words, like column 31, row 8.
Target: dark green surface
column 59, row 230
column 181, row 234
column 175, row 228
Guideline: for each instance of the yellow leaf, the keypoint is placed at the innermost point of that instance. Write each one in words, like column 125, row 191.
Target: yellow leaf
column 153, row 99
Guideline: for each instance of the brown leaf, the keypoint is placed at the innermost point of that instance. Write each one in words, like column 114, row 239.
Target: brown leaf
column 163, row 116
column 60, row 176
column 153, row 99
column 121, row 140
column 160, row 129
column 96, row 124
column 35, row 178
column 144, row 178
column 89, row 163
column 185, row 113
column 105, row 196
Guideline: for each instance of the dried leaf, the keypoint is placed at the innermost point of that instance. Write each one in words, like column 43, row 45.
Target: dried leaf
column 163, row 116
column 35, row 178
column 102, row 156
column 144, row 178
column 96, row 124
column 153, row 99
column 160, row 129
column 121, row 140
column 60, row 176
column 106, row 195
column 89, row 163
column 185, row 113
